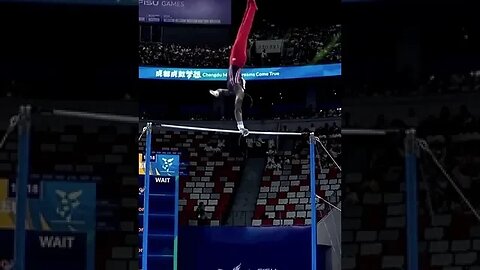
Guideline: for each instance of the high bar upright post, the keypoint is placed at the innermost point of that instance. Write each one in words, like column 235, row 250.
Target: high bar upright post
column 313, row 202
column 411, row 204
column 24, row 124
column 146, row 193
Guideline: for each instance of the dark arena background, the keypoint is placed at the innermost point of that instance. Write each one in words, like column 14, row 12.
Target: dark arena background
column 78, row 55
column 411, row 64
column 243, row 202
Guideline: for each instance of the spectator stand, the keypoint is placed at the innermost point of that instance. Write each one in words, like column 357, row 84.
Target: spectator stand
column 299, row 45
column 349, row 132
column 22, row 122
column 312, row 141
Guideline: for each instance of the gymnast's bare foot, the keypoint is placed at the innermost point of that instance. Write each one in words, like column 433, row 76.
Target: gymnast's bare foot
column 214, row 93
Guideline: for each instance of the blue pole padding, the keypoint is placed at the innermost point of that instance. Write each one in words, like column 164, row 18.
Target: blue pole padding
column 175, row 240
column 21, row 186
column 146, row 193
column 313, row 201
column 411, row 204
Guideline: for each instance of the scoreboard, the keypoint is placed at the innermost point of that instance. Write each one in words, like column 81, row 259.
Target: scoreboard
column 158, row 212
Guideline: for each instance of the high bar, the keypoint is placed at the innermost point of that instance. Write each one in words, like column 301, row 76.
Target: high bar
column 370, row 132
column 96, row 116
column 230, row 130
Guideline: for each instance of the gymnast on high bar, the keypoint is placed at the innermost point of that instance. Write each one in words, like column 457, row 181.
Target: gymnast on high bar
column 238, row 58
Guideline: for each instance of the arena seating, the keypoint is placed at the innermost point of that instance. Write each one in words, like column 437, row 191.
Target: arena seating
column 303, row 45
column 90, row 152
column 374, row 224
column 213, row 175
column 432, row 85
column 284, row 197
column 211, row 179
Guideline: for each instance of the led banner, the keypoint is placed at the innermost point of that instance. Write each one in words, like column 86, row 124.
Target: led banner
column 80, row 2
column 46, row 250
column 185, row 11
column 211, row 74
column 57, row 250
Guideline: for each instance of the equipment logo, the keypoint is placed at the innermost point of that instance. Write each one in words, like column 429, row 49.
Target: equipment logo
column 66, row 206
column 166, row 165
column 67, row 202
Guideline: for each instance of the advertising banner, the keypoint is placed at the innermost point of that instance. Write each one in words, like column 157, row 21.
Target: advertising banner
column 270, row 46
column 213, row 74
column 46, row 250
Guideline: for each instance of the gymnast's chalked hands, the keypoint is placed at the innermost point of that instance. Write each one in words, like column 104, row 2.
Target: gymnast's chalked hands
column 244, row 132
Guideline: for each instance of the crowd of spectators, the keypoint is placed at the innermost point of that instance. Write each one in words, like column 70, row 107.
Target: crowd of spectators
column 445, row 123
column 176, row 55
column 275, row 161
column 461, row 82
column 452, row 135
column 302, row 45
column 326, row 130
column 455, row 83
column 309, row 113
column 302, row 115
column 329, row 135
column 454, row 140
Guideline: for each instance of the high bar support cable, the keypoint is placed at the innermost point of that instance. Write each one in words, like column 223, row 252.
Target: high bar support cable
column 328, row 153
column 327, row 202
